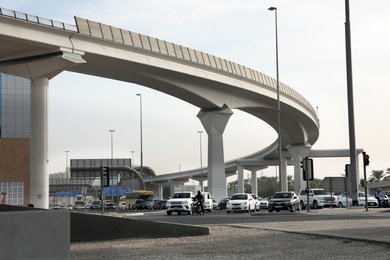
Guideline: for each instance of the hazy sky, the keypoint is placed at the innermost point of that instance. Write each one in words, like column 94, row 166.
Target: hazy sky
column 311, row 33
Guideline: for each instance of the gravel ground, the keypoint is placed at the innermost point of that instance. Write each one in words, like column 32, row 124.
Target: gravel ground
column 227, row 242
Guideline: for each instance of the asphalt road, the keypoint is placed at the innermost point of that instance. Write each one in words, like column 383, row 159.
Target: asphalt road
column 218, row 217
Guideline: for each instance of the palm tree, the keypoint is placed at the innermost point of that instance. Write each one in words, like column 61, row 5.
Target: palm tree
column 377, row 175
column 387, row 176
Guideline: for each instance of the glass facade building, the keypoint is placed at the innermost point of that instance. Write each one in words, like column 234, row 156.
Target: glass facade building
column 14, row 139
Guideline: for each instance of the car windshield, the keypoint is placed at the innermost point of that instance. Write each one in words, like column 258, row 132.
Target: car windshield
column 319, row 192
column 181, row 196
column 239, row 197
column 283, row 195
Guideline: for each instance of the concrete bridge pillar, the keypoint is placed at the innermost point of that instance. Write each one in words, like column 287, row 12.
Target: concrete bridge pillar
column 298, row 153
column 283, row 180
column 240, row 179
column 214, row 122
column 39, row 177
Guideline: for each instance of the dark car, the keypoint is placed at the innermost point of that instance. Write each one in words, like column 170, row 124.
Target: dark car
column 222, row 203
column 141, row 204
column 158, row 204
column 286, row 200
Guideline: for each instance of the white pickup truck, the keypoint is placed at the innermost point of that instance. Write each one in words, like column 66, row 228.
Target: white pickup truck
column 180, row 202
column 318, row 198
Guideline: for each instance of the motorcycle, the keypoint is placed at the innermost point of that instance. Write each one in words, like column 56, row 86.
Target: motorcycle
column 197, row 208
column 384, row 201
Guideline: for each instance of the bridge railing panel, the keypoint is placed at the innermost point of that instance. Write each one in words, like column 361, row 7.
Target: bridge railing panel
column 178, row 51
column 206, row 59
column 186, row 53
column 95, row 29
column 117, row 35
column 136, row 39
column 193, row 55
column 106, row 32
column 199, row 57
column 127, row 38
column 162, row 46
column 171, row 49
column 154, row 44
column 145, row 42
column 83, row 27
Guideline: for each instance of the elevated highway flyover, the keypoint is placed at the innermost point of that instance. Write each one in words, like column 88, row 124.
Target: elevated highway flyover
column 39, row 49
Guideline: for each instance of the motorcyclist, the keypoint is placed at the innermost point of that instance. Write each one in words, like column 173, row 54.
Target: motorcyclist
column 378, row 195
column 199, row 197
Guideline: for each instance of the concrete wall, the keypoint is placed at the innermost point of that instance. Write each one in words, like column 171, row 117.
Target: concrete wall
column 35, row 234
column 86, row 227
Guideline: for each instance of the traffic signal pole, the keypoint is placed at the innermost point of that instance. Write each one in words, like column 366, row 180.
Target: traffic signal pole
column 365, row 162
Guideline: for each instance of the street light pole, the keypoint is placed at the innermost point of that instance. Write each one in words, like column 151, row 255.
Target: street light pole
column 278, row 97
column 112, row 157
column 201, row 161
column 66, row 165
column 132, row 159
column 112, row 144
column 140, row 116
column 351, row 113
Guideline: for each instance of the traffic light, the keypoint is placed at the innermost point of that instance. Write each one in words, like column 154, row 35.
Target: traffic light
column 307, row 169
column 105, row 176
column 366, row 159
column 347, row 167
column 303, row 165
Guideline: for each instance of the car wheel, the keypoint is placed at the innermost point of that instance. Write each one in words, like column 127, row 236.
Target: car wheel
column 169, row 213
column 228, row 211
column 302, row 205
column 277, row 210
column 178, row 213
column 270, row 210
column 315, row 205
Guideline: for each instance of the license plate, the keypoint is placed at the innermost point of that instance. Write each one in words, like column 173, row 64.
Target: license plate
column 371, row 204
column 278, row 207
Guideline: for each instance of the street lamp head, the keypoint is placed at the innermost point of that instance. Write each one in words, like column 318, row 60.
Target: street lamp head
column 272, row 8
column 200, row 132
column 138, row 94
column 111, row 130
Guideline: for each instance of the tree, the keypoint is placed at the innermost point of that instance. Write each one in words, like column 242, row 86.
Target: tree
column 387, row 176
column 376, row 176
column 316, row 183
column 266, row 186
column 233, row 186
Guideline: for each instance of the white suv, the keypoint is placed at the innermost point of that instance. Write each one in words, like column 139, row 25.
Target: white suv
column 318, row 198
column 180, row 202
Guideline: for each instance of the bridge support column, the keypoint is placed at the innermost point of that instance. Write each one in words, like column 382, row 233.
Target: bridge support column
column 298, row 153
column 254, row 182
column 214, row 122
column 240, row 179
column 283, row 180
column 39, row 177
